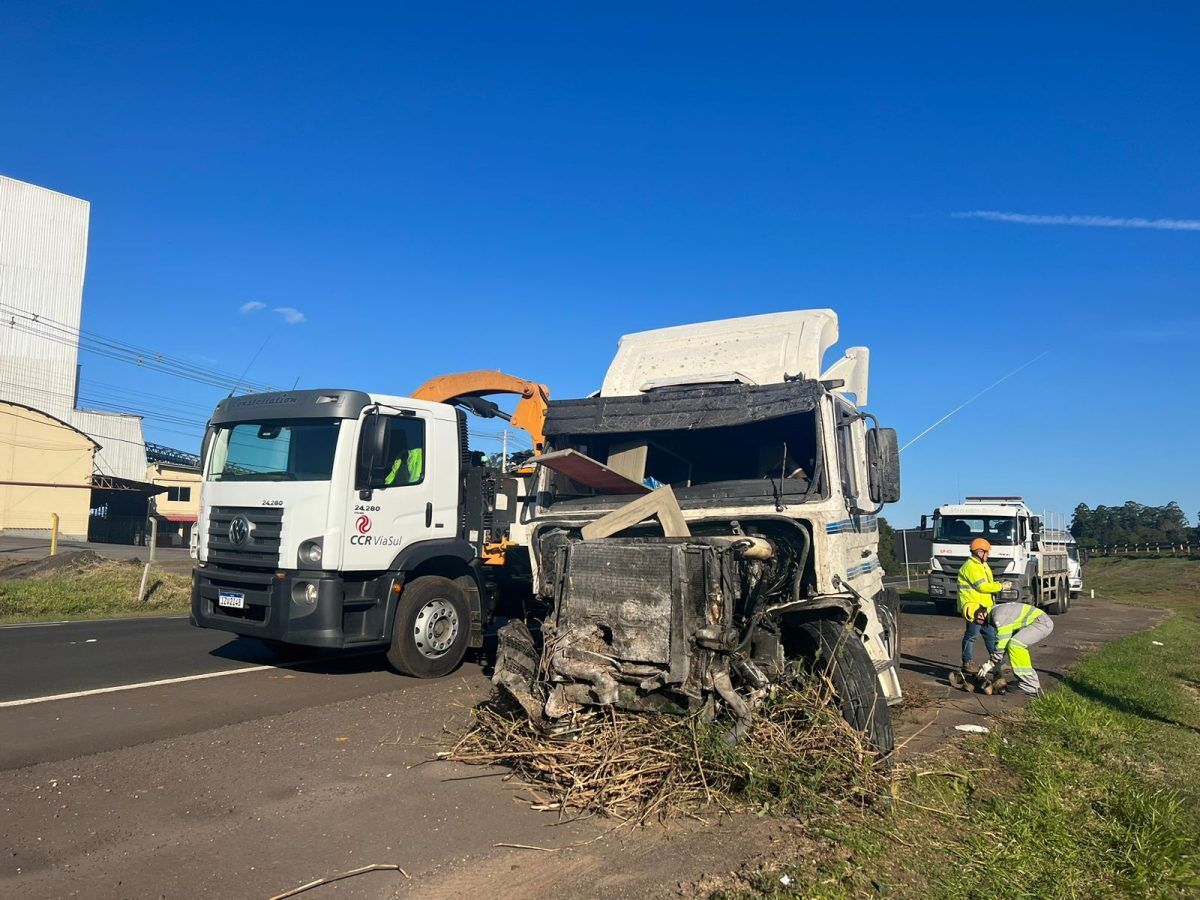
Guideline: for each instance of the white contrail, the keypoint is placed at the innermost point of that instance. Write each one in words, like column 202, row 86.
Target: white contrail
column 1085, row 221
column 968, row 402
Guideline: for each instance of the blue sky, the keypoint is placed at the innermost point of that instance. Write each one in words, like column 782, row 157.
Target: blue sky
column 517, row 186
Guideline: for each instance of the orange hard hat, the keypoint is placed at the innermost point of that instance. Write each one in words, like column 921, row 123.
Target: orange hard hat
column 980, row 544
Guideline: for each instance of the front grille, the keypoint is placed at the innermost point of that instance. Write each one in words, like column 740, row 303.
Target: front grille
column 951, row 564
column 261, row 547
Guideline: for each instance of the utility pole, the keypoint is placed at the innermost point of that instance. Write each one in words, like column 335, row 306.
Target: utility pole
column 504, row 453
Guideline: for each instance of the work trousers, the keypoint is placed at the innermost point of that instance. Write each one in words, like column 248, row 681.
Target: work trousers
column 973, row 631
column 1018, row 652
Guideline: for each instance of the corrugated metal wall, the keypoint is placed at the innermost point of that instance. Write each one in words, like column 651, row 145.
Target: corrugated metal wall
column 43, row 254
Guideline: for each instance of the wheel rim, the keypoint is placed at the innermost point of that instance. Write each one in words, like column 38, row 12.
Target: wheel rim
column 435, row 628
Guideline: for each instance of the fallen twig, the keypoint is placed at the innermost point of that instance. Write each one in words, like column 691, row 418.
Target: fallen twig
column 376, row 867
column 529, row 847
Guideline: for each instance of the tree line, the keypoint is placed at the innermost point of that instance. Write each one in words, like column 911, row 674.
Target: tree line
column 1132, row 523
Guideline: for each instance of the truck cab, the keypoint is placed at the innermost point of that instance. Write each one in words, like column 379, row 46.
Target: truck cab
column 778, row 475
column 337, row 518
column 1029, row 559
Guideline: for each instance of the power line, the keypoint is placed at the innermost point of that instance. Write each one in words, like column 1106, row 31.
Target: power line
column 971, row 400
column 49, row 329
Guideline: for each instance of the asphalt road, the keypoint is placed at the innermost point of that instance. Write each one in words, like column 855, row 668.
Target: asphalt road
column 248, row 783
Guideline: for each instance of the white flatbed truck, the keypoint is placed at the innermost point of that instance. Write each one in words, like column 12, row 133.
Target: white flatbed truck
column 1028, row 558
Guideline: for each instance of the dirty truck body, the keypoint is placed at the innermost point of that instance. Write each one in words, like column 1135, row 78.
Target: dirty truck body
column 778, row 478
column 1029, row 558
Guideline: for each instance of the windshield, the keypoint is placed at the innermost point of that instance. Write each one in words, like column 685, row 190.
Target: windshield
column 964, row 529
column 300, row 450
column 1073, row 552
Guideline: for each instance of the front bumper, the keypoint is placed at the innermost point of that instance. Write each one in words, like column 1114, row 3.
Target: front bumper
column 943, row 587
column 271, row 611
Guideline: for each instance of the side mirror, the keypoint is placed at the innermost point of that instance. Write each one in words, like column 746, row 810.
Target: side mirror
column 883, row 465
column 1035, row 529
column 924, row 522
column 371, row 446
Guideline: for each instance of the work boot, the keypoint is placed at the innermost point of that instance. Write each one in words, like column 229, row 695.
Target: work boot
column 969, row 670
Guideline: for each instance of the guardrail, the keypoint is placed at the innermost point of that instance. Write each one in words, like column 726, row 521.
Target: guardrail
column 1149, row 549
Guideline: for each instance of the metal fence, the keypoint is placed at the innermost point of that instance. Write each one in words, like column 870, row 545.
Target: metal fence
column 1149, row 549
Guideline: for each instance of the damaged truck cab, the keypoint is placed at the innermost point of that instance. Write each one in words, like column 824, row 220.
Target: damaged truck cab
column 706, row 529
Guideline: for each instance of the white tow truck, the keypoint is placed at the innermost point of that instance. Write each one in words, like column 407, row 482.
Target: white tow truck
column 1029, row 557
column 318, row 528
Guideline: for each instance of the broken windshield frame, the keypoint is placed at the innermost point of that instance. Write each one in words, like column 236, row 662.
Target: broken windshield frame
column 778, row 461
column 273, row 450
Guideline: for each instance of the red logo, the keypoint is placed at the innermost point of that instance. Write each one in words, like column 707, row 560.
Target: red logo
column 363, row 524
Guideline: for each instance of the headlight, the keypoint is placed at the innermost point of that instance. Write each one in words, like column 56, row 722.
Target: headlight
column 310, row 552
column 936, row 587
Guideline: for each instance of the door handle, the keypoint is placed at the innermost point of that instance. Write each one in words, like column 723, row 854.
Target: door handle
column 428, row 514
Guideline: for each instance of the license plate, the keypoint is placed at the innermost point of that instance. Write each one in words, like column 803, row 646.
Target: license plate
column 232, row 599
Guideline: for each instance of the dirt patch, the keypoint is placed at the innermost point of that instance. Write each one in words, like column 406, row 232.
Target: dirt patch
column 72, row 562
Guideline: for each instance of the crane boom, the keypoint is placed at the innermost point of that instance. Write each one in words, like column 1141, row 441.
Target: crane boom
column 530, row 412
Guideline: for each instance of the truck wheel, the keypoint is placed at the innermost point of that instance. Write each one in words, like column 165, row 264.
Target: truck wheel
column 1061, row 602
column 834, row 651
column 431, row 630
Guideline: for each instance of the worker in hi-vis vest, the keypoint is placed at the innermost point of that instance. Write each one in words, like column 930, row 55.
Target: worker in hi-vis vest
column 407, row 468
column 975, row 588
column 1019, row 626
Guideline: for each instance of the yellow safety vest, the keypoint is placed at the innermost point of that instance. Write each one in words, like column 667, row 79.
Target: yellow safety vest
column 976, row 585
column 414, row 464
column 1009, row 619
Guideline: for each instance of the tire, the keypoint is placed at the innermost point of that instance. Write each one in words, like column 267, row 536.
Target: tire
column 1061, row 602
column 431, row 629
column 834, row 651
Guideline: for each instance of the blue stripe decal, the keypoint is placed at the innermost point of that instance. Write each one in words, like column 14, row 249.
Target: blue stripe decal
column 860, row 524
column 862, row 569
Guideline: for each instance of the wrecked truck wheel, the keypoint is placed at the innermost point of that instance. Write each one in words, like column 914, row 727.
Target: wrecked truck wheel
column 831, row 650
column 431, row 629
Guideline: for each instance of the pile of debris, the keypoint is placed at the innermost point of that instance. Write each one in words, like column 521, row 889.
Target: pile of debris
column 72, row 562
column 798, row 756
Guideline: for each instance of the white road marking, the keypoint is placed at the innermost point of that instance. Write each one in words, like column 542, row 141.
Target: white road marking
column 30, row 701
column 88, row 621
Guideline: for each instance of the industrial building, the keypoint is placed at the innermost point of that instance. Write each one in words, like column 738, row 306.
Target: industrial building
column 177, row 507
column 43, row 257
column 45, row 470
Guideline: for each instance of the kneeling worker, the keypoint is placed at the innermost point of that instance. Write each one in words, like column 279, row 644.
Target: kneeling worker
column 1018, row 626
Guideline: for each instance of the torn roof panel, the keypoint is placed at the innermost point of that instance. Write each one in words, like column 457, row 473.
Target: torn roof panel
column 753, row 349
column 687, row 408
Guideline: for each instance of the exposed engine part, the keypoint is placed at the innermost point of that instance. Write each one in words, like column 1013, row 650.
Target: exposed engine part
column 655, row 623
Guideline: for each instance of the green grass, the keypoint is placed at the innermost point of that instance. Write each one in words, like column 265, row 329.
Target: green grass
column 1093, row 791
column 108, row 588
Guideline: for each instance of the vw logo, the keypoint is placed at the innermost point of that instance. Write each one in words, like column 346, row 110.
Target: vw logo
column 239, row 530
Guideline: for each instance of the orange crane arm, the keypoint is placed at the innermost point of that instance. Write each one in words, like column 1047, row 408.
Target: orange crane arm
column 529, row 415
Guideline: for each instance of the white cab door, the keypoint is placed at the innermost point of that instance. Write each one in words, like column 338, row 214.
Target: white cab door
column 402, row 495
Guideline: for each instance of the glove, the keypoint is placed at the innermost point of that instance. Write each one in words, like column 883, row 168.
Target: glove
column 997, row 657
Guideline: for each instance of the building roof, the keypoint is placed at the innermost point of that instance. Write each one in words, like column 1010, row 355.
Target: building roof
column 53, row 418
